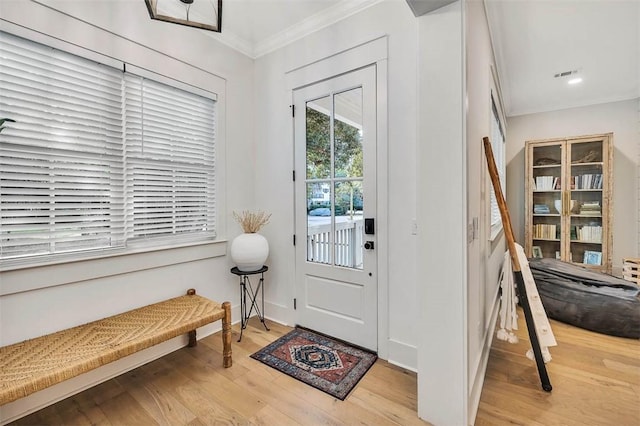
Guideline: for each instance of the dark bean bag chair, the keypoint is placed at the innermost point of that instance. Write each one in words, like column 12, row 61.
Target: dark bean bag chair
column 591, row 300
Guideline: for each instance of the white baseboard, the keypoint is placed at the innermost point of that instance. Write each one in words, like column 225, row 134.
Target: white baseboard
column 400, row 354
column 403, row 355
column 478, row 380
column 39, row 400
column 278, row 313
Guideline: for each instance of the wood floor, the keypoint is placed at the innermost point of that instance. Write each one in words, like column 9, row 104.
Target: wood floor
column 596, row 381
column 595, row 378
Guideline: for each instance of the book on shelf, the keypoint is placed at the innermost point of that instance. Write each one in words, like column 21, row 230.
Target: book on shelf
column 541, row 209
column 587, row 181
column 546, row 183
column 592, row 257
column 543, row 231
column 590, row 233
column 590, row 208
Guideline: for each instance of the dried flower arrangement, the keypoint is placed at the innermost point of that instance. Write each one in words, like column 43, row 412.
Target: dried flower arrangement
column 252, row 222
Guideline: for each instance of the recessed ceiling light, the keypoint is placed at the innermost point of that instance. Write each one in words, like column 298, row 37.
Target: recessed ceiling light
column 575, row 80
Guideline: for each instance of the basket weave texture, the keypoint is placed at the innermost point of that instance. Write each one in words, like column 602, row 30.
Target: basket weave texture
column 631, row 270
column 38, row 363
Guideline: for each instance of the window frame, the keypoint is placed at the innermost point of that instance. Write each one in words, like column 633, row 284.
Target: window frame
column 190, row 78
column 496, row 110
column 165, row 164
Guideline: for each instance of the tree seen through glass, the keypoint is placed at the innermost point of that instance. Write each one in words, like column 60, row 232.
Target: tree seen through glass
column 347, row 161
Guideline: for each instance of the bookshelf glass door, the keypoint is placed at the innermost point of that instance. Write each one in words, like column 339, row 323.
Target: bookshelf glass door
column 547, row 200
column 586, row 201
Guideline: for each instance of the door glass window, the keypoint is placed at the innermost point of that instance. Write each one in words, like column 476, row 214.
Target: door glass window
column 347, row 131
column 318, row 118
column 334, row 153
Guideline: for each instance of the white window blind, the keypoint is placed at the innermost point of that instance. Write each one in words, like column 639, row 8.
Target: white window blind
column 170, row 161
column 497, row 146
column 61, row 162
column 98, row 158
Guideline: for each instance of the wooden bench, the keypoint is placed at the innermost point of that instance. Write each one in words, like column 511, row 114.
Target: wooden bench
column 38, row 363
column 631, row 270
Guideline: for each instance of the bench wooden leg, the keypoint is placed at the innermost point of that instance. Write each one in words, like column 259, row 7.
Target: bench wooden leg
column 226, row 335
column 193, row 341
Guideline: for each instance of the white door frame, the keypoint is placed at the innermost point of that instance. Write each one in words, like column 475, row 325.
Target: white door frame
column 372, row 52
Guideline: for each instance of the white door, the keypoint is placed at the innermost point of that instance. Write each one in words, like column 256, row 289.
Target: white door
column 335, row 193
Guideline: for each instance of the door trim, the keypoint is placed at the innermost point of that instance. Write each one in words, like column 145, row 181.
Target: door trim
column 341, row 62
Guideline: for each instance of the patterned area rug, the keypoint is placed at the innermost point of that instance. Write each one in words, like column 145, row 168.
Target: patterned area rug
column 319, row 361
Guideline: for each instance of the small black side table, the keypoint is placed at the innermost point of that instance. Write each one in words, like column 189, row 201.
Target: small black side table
column 247, row 290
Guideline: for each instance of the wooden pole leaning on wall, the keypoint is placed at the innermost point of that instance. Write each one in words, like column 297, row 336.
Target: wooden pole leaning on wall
column 517, row 272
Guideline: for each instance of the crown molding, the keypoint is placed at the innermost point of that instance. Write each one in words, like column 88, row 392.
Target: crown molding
column 573, row 105
column 295, row 32
column 234, row 41
column 312, row 24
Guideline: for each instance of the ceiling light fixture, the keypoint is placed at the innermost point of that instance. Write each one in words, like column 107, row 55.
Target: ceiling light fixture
column 575, row 80
column 205, row 14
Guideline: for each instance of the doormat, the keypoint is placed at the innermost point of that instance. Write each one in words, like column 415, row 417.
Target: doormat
column 333, row 366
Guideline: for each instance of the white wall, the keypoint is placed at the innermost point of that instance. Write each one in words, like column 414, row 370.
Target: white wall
column 437, row 318
column 484, row 256
column 621, row 118
column 442, row 216
column 274, row 165
column 39, row 300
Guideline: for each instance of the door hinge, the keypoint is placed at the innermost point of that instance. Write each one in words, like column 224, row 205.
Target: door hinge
column 294, row 239
column 295, row 305
column 294, row 175
column 293, row 110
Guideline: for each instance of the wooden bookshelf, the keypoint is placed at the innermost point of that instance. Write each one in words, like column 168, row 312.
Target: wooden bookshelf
column 568, row 199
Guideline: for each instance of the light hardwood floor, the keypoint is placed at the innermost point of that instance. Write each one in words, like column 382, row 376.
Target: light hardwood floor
column 596, row 381
column 595, row 378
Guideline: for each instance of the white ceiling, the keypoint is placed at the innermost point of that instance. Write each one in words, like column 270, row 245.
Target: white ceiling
column 257, row 27
column 533, row 40
column 257, row 20
column 536, row 39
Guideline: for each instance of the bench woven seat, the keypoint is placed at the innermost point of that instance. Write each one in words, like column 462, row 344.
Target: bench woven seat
column 38, row 363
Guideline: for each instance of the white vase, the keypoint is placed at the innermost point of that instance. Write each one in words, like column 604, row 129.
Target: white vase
column 249, row 251
column 558, row 205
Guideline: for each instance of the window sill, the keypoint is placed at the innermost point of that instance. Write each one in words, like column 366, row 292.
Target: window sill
column 496, row 233
column 17, row 278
